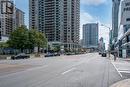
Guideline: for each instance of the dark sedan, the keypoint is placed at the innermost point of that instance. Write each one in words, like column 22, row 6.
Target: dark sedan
column 56, row 54
column 104, row 54
column 20, row 56
column 49, row 55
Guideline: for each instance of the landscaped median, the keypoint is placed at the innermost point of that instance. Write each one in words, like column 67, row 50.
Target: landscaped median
column 32, row 56
column 123, row 83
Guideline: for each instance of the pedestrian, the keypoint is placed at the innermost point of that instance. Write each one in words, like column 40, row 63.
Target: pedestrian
column 115, row 56
column 109, row 54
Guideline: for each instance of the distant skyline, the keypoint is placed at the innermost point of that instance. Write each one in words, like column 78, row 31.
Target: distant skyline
column 90, row 11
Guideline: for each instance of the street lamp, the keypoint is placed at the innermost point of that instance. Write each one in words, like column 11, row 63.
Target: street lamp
column 109, row 37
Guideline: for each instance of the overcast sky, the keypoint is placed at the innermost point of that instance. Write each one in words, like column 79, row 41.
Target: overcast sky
column 90, row 11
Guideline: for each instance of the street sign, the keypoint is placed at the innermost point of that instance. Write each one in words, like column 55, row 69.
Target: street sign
column 7, row 7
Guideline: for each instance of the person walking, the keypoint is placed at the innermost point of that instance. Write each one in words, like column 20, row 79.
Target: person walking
column 115, row 56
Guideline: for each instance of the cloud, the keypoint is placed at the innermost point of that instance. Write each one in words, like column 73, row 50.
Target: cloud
column 84, row 19
column 92, row 2
column 103, row 31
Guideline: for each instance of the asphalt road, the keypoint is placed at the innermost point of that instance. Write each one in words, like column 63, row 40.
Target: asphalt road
column 89, row 70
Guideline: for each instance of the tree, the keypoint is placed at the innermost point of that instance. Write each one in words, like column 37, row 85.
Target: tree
column 3, row 45
column 32, row 38
column 57, row 48
column 37, row 39
column 23, row 38
column 19, row 38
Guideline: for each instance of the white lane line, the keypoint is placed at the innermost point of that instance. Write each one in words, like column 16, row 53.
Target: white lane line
column 68, row 71
column 117, row 70
column 122, row 71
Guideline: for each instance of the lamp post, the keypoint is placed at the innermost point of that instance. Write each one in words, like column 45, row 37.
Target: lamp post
column 109, row 37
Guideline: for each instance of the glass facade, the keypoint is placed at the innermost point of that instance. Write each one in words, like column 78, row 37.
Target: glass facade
column 90, row 35
column 115, row 16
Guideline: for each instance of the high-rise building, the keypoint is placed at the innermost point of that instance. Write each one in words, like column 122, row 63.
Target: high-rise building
column 101, row 45
column 6, row 17
column 115, row 20
column 33, row 14
column 58, row 19
column 10, row 18
column 71, row 23
column 19, row 21
column 90, row 35
column 47, row 16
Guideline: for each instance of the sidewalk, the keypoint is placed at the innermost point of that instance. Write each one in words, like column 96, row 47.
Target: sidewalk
column 123, row 83
column 123, row 68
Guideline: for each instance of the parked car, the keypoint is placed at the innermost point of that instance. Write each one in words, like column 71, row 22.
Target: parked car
column 49, row 55
column 20, row 56
column 100, row 53
column 68, row 53
column 104, row 54
column 56, row 54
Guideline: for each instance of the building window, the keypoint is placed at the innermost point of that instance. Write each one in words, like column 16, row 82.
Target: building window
column 127, row 9
column 127, row 4
column 126, row 28
column 128, row 19
column 129, row 38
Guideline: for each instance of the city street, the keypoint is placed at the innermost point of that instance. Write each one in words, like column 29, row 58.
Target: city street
column 87, row 70
column 35, row 35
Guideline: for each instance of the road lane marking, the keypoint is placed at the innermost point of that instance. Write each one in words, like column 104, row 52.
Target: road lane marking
column 68, row 71
column 124, row 71
column 117, row 70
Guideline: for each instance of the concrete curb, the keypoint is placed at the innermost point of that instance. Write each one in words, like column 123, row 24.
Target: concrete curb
column 123, row 83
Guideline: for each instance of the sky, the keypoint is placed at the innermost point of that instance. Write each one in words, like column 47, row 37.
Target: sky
column 97, row 11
